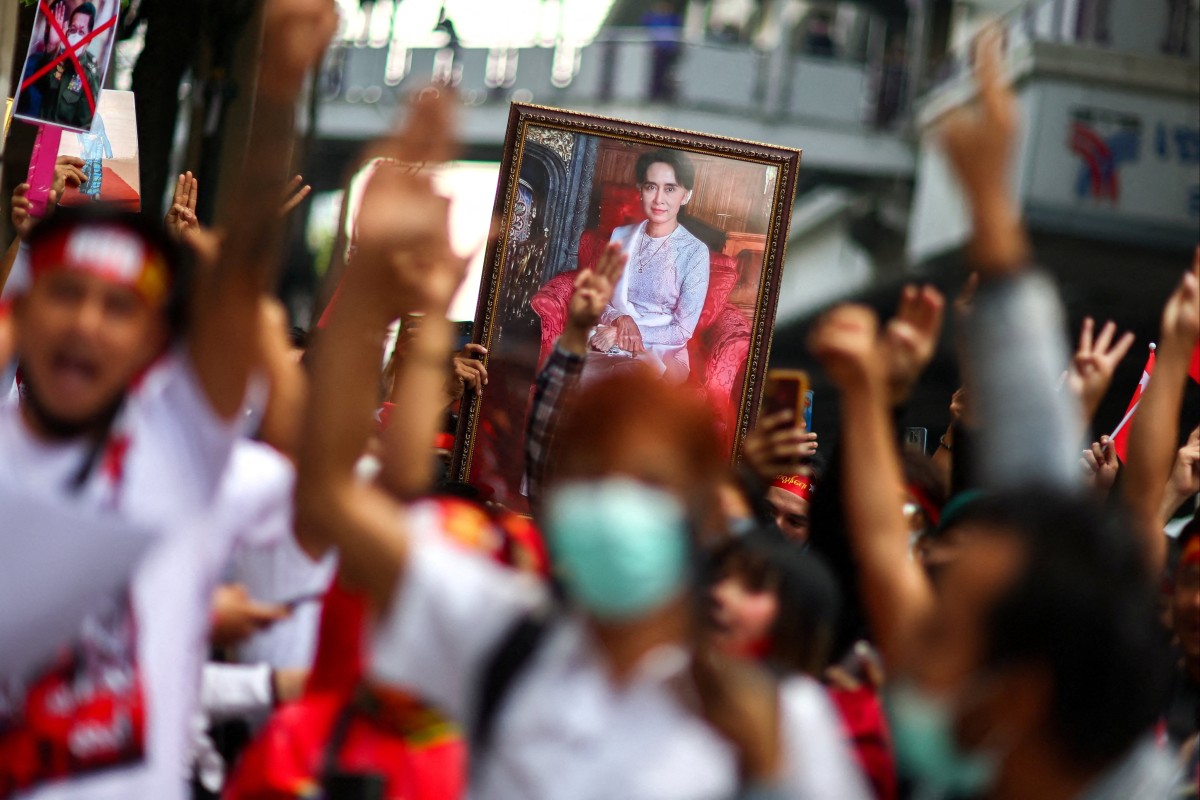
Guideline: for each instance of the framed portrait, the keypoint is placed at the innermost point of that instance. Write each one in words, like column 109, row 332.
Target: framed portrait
column 703, row 221
column 68, row 56
column 110, row 155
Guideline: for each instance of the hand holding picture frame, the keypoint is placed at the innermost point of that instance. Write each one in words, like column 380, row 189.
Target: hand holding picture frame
column 703, row 221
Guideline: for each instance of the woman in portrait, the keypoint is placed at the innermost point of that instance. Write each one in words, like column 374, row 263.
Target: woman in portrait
column 657, row 302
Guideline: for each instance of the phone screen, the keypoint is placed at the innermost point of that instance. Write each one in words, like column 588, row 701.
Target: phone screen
column 785, row 390
column 915, row 440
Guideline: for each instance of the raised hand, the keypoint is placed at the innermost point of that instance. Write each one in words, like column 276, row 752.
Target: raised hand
column 979, row 143
column 910, row 337
column 1095, row 360
column 1154, row 431
column 295, row 35
column 1185, row 476
column 1181, row 315
column 960, row 408
column 592, row 292
column 1100, row 466
column 777, row 445
column 293, row 195
column 403, row 225
column 845, row 342
column 966, row 296
column 181, row 217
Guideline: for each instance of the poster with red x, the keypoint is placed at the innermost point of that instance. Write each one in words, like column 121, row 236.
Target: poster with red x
column 67, row 59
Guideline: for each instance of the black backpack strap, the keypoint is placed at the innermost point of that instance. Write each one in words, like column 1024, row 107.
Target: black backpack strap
column 337, row 737
column 512, row 654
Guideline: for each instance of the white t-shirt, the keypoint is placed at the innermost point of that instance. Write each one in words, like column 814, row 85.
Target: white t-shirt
column 267, row 559
column 164, row 473
column 565, row 731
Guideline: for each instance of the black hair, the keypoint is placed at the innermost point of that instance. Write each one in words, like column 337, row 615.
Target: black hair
column 178, row 262
column 89, row 10
column 298, row 337
column 1083, row 604
column 685, row 172
column 805, row 590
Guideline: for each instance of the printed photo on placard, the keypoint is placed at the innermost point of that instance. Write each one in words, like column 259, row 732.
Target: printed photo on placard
column 702, row 220
column 109, row 152
column 66, row 62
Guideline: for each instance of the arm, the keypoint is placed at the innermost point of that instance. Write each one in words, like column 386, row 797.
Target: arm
column 592, row 292
column 1092, row 367
column 1014, row 353
column 280, row 426
column 894, row 590
column 1155, row 428
column 1185, row 477
column 226, row 310
column 944, row 457
column 7, row 261
column 403, row 249
column 67, row 170
column 407, row 461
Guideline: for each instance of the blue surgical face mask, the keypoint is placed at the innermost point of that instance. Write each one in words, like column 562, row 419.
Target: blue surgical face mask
column 621, row 546
column 923, row 737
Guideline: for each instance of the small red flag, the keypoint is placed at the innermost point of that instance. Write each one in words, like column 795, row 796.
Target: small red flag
column 1120, row 434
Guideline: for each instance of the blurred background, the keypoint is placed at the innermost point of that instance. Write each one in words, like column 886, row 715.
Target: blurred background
column 1108, row 170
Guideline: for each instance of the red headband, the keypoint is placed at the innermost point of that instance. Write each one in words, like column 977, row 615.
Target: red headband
column 1191, row 553
column 932, row 512
column 797, row 485
column 111, row 252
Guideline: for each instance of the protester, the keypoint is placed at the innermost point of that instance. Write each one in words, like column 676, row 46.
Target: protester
column 204, row 532
column 128, row 404
column 1049, row 603
column 621, row 657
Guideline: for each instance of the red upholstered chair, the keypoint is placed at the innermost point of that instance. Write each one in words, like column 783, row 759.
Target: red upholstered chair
column 719, row 348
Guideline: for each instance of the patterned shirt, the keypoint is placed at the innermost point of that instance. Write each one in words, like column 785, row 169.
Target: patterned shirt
column 557, row 378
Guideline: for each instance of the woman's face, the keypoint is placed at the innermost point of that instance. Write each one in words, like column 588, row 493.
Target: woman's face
column 742, row 617
column 662, row 196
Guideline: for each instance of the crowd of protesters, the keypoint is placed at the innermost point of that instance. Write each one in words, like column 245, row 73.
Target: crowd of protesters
column 233, row 565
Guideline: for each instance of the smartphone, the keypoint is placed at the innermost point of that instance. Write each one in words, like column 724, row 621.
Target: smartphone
column 808, row 401
column 312, row 597
column 915, row 440
column 786, row 390
column 463, row 334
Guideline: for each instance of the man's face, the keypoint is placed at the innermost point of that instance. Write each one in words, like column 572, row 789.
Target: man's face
column 937, row 552
column 82, row 339
column 791, row 513
column 81, row 26
column 1185, row 609
column 948, row 660
column 662, row 195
